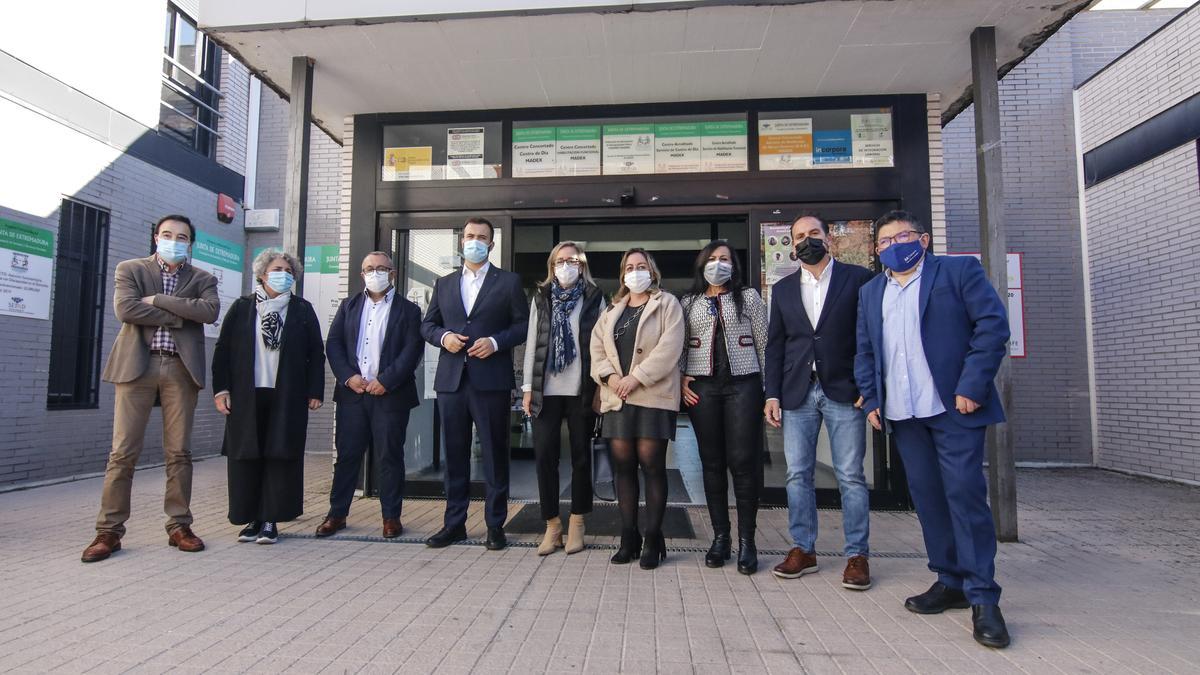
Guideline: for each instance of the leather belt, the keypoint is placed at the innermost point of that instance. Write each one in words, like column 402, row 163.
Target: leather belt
column 162, row 352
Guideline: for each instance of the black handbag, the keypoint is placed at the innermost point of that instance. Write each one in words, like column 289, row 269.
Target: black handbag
column 602, row 472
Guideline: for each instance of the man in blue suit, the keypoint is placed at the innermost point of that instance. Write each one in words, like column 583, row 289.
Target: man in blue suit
column 374, row 346
column 932, row 333
column 476, row 316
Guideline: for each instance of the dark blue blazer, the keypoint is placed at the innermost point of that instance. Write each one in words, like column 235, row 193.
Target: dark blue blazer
column 398, row 359
column 793, row 343
column 501, row 312
column 964, row 330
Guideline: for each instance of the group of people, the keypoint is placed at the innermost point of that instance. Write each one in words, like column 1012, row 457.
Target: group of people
column 912, row 352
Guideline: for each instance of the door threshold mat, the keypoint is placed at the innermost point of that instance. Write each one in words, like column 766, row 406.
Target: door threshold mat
column 604, row 521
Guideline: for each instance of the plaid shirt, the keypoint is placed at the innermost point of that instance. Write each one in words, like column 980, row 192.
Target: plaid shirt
column 162, row 337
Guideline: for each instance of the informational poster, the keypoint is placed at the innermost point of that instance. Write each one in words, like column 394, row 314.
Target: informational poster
column 464, row 152
column 578, row 150
column 223, row 260
column 413, row 163
column 832, row 148
column 872, row 138
column 534, row 152
column 1016, row 303
column 322, row 267
column 777, row 261
column 628, row 149
column 723, row 146
column 785, row 145
column 26, row 269
column 677, row 148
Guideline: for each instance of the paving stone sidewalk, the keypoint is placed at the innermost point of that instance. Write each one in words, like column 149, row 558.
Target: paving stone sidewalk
column 1104, row 580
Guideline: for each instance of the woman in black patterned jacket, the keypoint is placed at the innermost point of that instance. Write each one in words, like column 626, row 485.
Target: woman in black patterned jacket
column 722, row 363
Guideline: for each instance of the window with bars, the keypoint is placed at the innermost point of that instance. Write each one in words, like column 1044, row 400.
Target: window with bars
column 80, row 282
column 190, row 84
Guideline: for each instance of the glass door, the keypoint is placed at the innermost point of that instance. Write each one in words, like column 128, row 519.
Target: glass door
column 426, row 249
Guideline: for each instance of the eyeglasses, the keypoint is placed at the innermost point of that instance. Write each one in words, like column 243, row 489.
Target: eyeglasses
column 898, row 238
column 569, row 262
column 380, row 268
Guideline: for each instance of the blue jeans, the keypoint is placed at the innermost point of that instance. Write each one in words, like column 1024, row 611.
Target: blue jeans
column 848, row 442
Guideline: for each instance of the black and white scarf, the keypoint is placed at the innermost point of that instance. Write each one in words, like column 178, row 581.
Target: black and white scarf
column 562, row 341
column 269, row 321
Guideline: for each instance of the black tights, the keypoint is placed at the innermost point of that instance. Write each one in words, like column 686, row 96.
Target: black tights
column 651, row 454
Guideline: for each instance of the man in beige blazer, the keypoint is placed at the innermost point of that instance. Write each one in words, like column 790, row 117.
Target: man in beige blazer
column 162, row 302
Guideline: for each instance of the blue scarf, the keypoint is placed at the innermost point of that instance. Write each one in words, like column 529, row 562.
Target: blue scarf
column 562, row 342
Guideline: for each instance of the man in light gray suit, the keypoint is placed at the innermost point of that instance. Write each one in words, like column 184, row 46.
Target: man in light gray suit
column 163, row 303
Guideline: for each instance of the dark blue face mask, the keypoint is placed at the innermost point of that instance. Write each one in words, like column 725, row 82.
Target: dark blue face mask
column 902, row 257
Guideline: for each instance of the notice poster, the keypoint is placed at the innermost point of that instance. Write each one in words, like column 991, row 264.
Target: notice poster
column 26, row 269
column 413, row 163
column 677, row 148
column 872, row 138
column 534, row 152
column 1016, row 303
column 464, row 152
column 832, row 149
column 723, row 146
column 322, row 267
column 777, row 260
column 785, row 145
column 578, row 150
column 628, row 149
column 223, row 260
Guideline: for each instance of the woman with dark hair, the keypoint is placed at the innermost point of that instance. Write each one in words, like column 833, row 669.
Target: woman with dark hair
column 635, row 356
column 269, row 372
column 558, row 387
column 723, row 389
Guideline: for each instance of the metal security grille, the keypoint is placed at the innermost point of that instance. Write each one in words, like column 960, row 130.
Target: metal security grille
column 80, row 276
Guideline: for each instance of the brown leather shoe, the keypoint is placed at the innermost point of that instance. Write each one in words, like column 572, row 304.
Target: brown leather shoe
column 104, row 545
column 330, row 526
column 857, row 576
column 183, row 539
column 392, row 528
column 796, row 564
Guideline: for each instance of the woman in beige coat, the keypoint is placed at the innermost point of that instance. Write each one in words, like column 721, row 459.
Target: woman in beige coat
column 635, row 351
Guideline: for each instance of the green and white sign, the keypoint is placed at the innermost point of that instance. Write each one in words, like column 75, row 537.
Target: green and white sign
column 26, row 269
column 723, row 146
column 534, row 152
column 578, row 150
column 628, row 149
column 222, row 259
column 321, row 271
column 677, row 148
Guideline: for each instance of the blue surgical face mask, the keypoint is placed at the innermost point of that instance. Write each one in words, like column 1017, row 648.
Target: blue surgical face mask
column 280, row 282
column 171, row 251
column 902, row 257
column 475, row 251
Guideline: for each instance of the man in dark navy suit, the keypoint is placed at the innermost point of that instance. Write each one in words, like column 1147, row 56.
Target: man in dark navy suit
column 810, row 380
column 374, row 346
column 932, row 333
column 476, row 316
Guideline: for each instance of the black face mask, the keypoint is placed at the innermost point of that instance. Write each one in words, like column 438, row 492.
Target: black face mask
column 810, row 251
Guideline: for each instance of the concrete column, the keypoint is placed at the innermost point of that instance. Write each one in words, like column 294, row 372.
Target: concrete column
column 1002, row 479
column 295, row 197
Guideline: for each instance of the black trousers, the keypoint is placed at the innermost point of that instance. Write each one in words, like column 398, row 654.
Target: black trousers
column 382, row 425
column 728, row 425
column 547, row 448
column 270, row 490
column 488, row 410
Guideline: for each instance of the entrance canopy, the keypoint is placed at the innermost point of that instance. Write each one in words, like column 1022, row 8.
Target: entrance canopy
column 479, row 54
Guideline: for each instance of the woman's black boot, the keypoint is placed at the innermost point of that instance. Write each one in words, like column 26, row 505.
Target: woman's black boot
column 719, row 552
column 747, row 555
column 631, row 547
column 654, row 551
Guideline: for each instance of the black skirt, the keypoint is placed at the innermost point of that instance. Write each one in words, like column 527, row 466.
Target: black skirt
column 634, row 421
column 269, row 490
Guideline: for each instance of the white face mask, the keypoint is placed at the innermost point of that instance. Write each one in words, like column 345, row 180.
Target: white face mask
column 567, row 275
column 717, row 272
column 637, row 281
column 377, row 282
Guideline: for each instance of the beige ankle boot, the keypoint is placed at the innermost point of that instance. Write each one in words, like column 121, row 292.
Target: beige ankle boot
column 553, row 538
column 575, row 532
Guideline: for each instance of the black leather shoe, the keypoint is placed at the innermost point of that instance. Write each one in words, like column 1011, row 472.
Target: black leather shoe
column 747, row 556
column 654, row 551
column 447, row 536
column 719, row 552
column 990, row 630
column 631, row 547
column 496, row 540
column 937, row 599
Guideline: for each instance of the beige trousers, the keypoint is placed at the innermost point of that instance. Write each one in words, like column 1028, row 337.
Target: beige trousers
column 167, row 378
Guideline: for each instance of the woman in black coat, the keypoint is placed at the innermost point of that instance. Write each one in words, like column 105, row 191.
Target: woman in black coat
column 268, row 372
